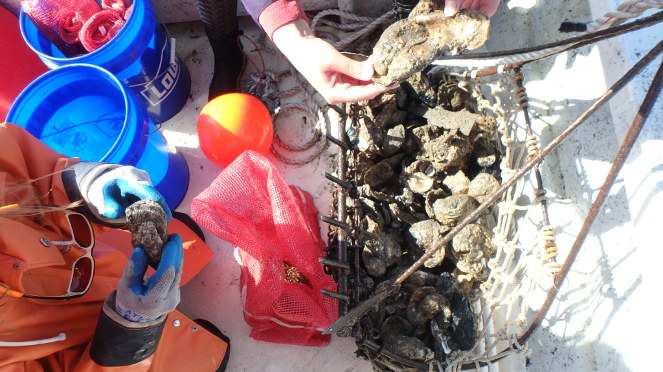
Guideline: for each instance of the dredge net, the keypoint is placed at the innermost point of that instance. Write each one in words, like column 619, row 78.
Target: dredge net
column 521, row 268
column 501, row 301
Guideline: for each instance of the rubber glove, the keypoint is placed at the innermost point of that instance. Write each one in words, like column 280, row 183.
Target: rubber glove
column 141, row 299
column 118, row 194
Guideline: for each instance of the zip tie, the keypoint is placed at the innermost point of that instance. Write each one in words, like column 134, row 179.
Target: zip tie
column 172, row 51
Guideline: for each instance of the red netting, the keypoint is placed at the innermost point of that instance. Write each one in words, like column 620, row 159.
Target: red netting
column 275, row 227
column 77, row 26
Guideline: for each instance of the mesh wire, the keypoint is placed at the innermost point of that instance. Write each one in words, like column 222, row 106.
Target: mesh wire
column 521, row 267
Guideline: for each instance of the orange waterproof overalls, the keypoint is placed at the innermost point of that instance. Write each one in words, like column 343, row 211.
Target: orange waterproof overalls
column 183, row 346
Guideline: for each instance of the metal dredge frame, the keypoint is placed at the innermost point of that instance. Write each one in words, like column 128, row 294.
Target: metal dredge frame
column 341, row 236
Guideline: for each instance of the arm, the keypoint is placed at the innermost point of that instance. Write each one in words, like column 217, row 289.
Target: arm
column 336, row 77
column 25, row 161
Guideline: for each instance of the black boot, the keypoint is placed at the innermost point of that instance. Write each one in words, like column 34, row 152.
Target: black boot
column 229, row 63
column 220, row 20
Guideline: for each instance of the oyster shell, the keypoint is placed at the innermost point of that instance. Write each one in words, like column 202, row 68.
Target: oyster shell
column 453, row 208
column 482, row 186
column 411, row 44
column 148, row 225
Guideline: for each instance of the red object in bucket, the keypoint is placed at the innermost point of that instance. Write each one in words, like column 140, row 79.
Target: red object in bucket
column 18, row 64
column 232, row 123
column 275, row 228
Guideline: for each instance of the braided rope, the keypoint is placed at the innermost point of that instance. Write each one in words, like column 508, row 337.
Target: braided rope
column 625, row 11
column 344, row 15
column 364, row 25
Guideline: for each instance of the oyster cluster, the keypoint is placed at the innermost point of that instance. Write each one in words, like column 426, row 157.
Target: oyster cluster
column 422, row 161
column 411, row 44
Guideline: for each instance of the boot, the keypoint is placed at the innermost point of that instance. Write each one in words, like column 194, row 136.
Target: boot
column 229, row 63
column 220, row 20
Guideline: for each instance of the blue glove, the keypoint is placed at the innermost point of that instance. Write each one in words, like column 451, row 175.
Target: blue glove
column 140, row 300
column 120, row 194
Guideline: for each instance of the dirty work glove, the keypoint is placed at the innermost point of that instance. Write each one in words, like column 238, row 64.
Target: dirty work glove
column 118, row 194
column 141, row 299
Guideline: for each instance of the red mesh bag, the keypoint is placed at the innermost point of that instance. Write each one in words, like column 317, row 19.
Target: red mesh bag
column 77, row 26
column 275, row 228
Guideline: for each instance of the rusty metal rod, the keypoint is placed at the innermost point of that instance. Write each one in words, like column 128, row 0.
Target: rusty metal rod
column 358, row 311
column 540, row 191
column 620, row 158
column 340, row 265
column 341, row 214
column 630, row 74
column 338, row 142
column 338, row 181
column 336, row 295
column 335, row 222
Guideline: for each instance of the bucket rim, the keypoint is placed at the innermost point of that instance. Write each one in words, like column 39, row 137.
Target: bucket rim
column 32, row 88
column 82, row 59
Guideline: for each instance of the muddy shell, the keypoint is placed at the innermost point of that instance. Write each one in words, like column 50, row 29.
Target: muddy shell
column 409, row 45
column 148, row 224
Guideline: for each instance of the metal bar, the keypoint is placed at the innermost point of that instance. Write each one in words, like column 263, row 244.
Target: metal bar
column 335, row 295
column 540, row 192
column 338, row 142
column 620, row 158
column 336, row 223
column 346, row 185
column 332, row 263
column 341, row 214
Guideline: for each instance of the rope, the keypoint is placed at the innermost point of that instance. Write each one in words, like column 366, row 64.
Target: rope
column 625, row 11
column 364, row 25
column 362, row 21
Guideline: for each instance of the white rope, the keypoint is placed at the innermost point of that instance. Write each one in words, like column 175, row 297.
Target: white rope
column 625, row 11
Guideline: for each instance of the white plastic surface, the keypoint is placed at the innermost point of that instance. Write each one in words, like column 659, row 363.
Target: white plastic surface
column 605, row 317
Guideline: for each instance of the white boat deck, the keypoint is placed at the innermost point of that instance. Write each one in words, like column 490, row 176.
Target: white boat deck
column 605, row 317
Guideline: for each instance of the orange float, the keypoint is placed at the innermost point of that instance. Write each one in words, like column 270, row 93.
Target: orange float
column 232, row 123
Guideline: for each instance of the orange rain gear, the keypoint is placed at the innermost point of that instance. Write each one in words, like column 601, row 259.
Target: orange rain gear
column 23, row 260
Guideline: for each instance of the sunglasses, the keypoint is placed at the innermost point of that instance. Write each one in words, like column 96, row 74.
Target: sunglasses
column 82, row 269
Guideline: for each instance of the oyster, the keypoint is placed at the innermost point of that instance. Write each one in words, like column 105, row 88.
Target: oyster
column 148, row 225
column 380, row 250
column 394, row 330
column 453, row 208
column 411, row 44
column 483, row 186
column 457, row 183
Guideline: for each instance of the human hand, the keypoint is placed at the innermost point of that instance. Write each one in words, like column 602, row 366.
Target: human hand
column 489, row 7
column 336, row 77
column 140, row 300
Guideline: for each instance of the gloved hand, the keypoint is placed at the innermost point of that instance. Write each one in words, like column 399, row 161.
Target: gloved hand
column 140, row 299
column 118, row 194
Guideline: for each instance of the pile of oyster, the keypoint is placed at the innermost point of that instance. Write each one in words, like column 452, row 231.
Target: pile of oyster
column 422, row 160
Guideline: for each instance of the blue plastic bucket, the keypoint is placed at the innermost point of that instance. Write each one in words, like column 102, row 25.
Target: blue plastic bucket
column 140, row 55
column 84, row 111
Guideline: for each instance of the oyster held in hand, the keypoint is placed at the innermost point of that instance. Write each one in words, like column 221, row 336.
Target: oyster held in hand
column 411, row 44
column 148, row 224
